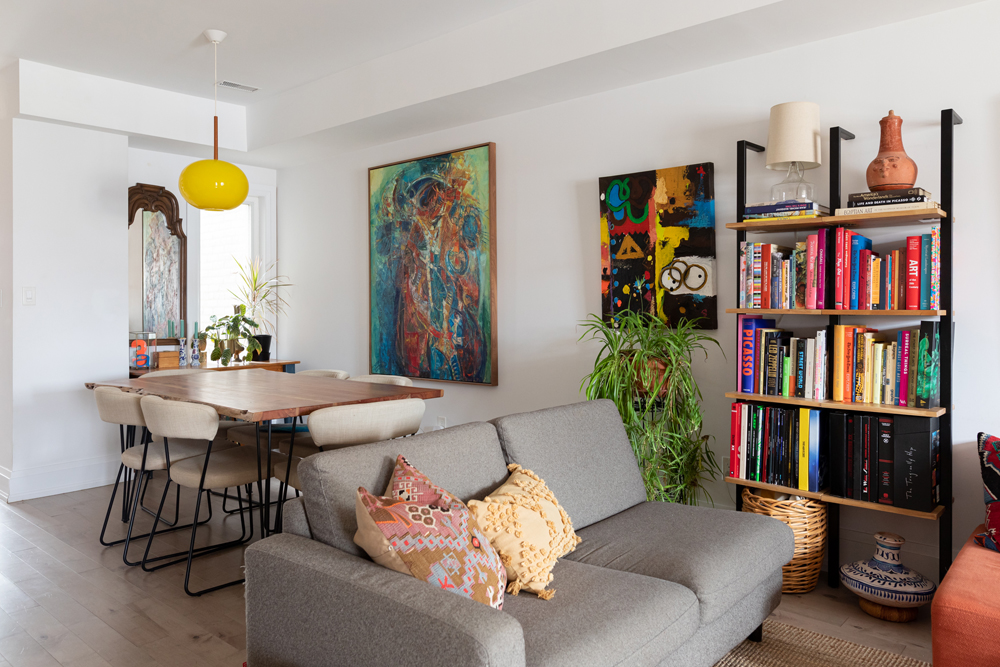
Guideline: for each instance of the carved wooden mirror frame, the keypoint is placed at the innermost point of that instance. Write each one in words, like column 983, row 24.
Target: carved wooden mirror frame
column 156, row 198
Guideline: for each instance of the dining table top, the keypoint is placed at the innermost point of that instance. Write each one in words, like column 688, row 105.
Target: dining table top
column 260, row 395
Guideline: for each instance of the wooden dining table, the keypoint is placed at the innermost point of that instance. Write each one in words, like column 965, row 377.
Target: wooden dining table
column 260, row 396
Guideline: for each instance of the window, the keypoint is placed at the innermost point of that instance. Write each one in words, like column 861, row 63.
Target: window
column 226, row 236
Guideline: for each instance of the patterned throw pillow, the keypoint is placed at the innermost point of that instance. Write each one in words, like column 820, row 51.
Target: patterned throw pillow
column 422, row 530
column 989, row 462
column 529, row 528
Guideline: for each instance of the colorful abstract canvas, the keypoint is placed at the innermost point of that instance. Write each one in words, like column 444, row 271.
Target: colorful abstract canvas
column 658, row 244
column 432, row 253
column 161, row 274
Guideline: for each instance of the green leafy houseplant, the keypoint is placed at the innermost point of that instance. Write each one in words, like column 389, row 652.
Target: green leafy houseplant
column 232, row 328
column 259, row 294
column 644, row 366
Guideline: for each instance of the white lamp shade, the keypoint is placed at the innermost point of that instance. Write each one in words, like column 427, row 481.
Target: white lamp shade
column 793, row 136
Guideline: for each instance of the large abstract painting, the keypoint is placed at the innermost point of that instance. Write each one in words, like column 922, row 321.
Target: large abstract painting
column 432, row 235
column 161, row 273
column 658, row 244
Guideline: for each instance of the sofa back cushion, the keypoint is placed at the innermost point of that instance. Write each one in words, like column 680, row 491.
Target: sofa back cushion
column 466, row 460
column 582, row 453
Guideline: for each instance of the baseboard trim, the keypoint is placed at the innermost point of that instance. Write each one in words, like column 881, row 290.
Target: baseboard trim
column 63, row 477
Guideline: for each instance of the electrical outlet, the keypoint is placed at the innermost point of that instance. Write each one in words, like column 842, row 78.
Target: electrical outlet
column 442, row 422
column 28, row 296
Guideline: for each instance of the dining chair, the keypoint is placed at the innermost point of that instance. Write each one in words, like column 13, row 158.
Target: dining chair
column 122, row 408
column 384, row 379
column 237, row 467
column 346, row 426
column 325, row 373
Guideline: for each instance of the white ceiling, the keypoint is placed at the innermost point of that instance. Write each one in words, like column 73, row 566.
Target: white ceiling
column 272, row 44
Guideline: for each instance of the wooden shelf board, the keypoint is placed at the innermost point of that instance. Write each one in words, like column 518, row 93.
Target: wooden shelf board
column 837, row 500
column 838, row 405
column 864, row 221
column 805, row 311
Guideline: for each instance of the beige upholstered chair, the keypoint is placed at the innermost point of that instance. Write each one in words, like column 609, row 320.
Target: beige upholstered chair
column 236, row 467
column 120, row 407
column 324, row 373
column 384, row 379
column 347, row 425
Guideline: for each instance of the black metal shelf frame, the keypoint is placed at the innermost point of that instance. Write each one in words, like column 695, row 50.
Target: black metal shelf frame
column 949, row 119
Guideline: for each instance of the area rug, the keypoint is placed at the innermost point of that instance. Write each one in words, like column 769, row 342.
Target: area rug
column 788, row 646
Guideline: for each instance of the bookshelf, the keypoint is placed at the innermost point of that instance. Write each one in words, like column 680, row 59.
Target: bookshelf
column 942, row 216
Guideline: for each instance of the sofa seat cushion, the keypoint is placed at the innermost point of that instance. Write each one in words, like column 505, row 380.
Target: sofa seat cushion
column 583, row 454
column 721, row 555
column 601, row 616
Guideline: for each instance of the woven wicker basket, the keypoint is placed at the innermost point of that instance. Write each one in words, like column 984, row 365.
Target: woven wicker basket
column 807, row 519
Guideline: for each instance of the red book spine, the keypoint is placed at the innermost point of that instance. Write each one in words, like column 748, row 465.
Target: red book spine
column 821, row 249
column 734, row 430
column 913, row 272
column 765, row 276
column 838, row 267
column 811, row 244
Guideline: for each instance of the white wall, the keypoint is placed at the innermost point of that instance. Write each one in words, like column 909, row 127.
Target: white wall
column 548, row 163
column 8, row 108
column 70, row 242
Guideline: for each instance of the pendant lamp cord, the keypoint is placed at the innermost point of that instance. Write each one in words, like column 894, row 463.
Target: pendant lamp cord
column 216, row 92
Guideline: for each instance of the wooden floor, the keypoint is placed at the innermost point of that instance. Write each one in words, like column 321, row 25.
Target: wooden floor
column 66, row 600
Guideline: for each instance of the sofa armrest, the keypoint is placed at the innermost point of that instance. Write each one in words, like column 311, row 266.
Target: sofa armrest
column 311, row 604
column 293, row 518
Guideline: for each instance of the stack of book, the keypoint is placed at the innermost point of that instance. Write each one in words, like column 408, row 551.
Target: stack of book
column 888, row 459
column 775, row 445
column 888, row 201
column 773, row 276
column 774, row 363
column 906, row 278
column 791, row 209
column 901, row 369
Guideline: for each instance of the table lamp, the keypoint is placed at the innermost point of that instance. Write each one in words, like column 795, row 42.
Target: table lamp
column 793, row 145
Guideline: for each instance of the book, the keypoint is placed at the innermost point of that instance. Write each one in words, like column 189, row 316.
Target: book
column 913, row 272
column 935, row 268
column 848, row 362
column 811, row 247
column 744, row 430
column 864, row 444
column 838, row 362
column 889, row 208
column 858, row 243
column 810, row 381
column 748, row 350
column 838, row 268
column 859, row 198
column 838, row 454
column 856, row 448
column 929, row 365
column 734, row 434
column 911, row 388
column 852, row 491
column 773, row 342
column 925, row 272
column 800, row 368
column 765, row 275
column 900, row 267
column 786, row 205
column 871, row 426
column 889, row 375
column 800, row 256
column 915, row 467
column 804, row 425
column 903, row 368
column 791, row 215
column 848, row 235
column 814, row 451
column 885, row 460
column 821, row 250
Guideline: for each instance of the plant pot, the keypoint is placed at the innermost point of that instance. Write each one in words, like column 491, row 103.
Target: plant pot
column 265, row 348
column 658, row 371
column 234, row 345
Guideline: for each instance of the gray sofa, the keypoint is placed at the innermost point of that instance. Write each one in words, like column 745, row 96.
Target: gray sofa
column 651, row 583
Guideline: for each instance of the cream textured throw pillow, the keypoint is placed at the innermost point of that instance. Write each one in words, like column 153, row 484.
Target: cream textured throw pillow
column 529, row 529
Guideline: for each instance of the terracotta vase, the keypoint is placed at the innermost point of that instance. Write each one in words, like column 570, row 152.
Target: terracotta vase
column 892, row 168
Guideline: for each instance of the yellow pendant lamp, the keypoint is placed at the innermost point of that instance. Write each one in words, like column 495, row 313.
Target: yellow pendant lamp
column 214, row 185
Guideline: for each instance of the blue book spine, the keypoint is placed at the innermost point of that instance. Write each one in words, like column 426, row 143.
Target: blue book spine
column 748, row 351
column 814, row 451
column 925, row 272
column 775, row 283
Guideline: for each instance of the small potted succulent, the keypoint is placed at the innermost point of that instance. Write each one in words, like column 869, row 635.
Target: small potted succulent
column 227, row 332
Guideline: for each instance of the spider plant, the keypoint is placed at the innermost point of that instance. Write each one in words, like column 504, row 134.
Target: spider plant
column 259, row 293
column 644, row 366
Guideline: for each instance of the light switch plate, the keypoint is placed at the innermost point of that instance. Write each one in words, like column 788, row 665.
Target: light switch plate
column 28, row 296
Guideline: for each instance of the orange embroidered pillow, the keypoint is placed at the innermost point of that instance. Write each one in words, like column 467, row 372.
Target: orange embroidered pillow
column 424, row 531
column 529, row 528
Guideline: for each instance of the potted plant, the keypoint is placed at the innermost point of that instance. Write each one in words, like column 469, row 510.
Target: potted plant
column 227, row 332
column 259, row 295
column 644, row 366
